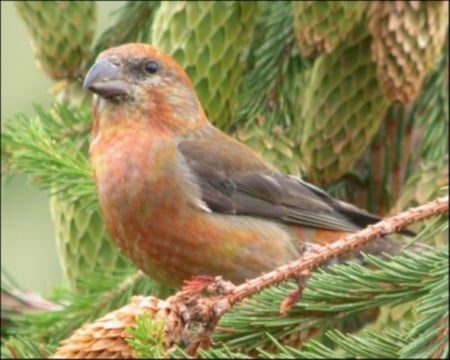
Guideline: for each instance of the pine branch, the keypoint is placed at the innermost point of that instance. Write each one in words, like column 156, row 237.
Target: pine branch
column 147, row 338
column 429, row 337
column 275, row 62
column 16, row 301
column 105, row 337
column 426, row 338
column 21, row 347
column 431, row 113
column 332, row 299
column 107, row 292
column 133, row 24
column 51, row 150
column 354, row 289
column 47, row 149
column 347, row 244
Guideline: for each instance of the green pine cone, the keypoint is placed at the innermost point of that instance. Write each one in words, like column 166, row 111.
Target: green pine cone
column 408, row 37
column 208, row 39
column 133, row 24
column 409, row 136
column 423, row 185
column 321, row 25
column 431, row 113
column 342, row 109
column 61, row 34
column 426, row 184
column 374, row 182
column 273, row 145
column 83, row 243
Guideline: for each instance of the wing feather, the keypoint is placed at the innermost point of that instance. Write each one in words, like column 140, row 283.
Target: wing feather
column 249, row 186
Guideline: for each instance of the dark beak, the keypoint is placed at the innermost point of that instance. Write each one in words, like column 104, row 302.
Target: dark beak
column 105, row 79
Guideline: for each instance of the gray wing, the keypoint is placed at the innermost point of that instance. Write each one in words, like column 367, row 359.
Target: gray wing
column 249, row 186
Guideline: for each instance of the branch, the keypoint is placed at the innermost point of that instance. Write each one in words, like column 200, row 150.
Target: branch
column 313, row 260
column 183, row 312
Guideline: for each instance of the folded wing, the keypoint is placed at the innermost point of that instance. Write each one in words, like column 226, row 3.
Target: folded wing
column 248, row 186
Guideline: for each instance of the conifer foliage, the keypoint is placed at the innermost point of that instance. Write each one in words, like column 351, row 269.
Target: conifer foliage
column 351, row 96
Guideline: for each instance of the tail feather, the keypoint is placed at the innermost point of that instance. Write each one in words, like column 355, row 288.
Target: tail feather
column 387, row 246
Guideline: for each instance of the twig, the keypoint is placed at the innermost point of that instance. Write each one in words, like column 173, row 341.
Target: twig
column 187, row 309
column 347, row 244
column 210, row 310
column 442, row 335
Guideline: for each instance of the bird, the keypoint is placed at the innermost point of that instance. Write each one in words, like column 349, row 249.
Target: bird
column 180, row 197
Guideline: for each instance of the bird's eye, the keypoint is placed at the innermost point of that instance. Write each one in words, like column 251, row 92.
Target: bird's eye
column 151, row 67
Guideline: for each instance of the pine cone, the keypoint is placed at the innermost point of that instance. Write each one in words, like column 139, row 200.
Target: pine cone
column 107, row 337
column 133, row 22
column 61, row 34
column 423, row 186
column 409, row 136
column 208, row 39
column 431, row 114
column 342, row 109
column 273, row 146
column 83, row 243
column 321, row 25
column 408, row 36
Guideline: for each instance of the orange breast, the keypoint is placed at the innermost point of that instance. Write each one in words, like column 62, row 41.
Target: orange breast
column 144, row 197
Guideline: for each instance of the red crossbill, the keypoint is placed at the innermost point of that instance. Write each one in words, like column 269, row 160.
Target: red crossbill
column 182, row 198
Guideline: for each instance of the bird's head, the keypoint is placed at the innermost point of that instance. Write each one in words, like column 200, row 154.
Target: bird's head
column 139, row 83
